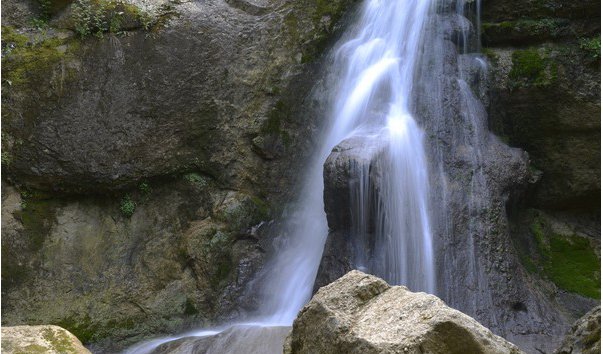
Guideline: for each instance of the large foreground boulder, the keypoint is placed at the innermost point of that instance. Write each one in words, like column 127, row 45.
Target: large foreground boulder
column 40, row 339
column 360, row 313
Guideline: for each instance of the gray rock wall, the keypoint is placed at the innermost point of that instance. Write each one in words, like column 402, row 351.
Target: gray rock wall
column 143, row 162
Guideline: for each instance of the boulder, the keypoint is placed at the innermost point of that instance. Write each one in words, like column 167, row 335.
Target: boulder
column 360, row 313
column 585, row 335
column 343, row 169
column 40, row 339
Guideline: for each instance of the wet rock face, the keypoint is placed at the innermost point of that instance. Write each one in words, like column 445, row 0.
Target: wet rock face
column 362, row 313
column 40, row 339
column 104, row 114
column 343, row 172
column 585, row 335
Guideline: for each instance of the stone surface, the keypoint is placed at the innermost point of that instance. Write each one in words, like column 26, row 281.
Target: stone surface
column 40, row 339
column 360, row 313
column 544, row 94
column 142, row 166
column 182, row 258
column 193, row 93
column 585, row 335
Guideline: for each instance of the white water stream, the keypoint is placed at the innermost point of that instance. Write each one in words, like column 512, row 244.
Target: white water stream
column 377, row 61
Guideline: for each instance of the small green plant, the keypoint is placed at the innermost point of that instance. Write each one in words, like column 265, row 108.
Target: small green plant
column 145, row 188
column 96, row 17
column 127, row 206
column 592, row 46
column 196, row 180
column 6, row 158
column 39, row 23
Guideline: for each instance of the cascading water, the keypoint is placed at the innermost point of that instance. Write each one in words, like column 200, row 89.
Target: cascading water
column 376, row 63
column 373, row 99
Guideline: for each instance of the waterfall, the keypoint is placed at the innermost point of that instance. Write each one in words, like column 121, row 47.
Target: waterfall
column 374, row 66
column 377, row 61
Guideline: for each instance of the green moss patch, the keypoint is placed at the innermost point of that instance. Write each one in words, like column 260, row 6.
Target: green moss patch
column 82, row 328
column 59, row 341
column 32, row 349
column 531, row 68
column 592, row 47
column 523, row 31
column 569, row 261
column 25, row 60
column 574, row 266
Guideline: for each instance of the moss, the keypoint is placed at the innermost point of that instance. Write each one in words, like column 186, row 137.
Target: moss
column 574, row 266
column 223, row 268
column 537, row 230
column 37, row 218
column 291, row 24
column 325, row 15
column 490, row 54
column 262, row 209
column 569, row 261
column 81, row 327
column 127, row 323
column 59, row 341
column 592, row 47
column 97, row 17
column 525, row 29
column 26, row 61
column 592, row 338
column 528, row 263
column 32, row 349
column 531, row 68
column 217, row 258
column 527, row 64
column 196, row 180
column 189, row 308
column 330, row 8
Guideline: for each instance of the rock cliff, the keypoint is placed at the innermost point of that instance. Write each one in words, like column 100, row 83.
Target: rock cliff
column 146, row 147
